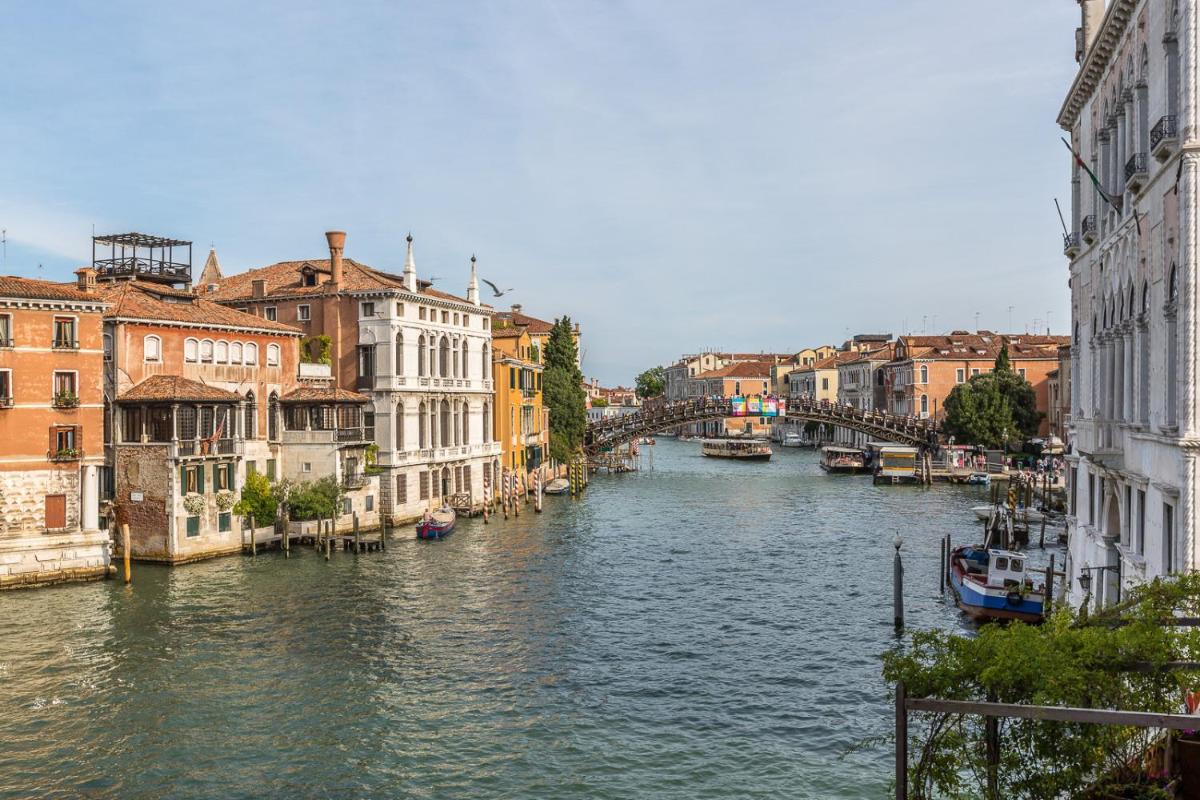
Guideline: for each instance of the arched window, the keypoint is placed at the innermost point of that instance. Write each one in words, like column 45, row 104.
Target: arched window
column 235, row 353
column 487, row 423
column 400, row 425
column 487, row 362
column 251, row 353
column 421, row 363
column 249, row 424
column 924, row 373
column 272, row 355
column 444, row 358
column 152, row 348
column 422, row 426
column 454, row 358
column 400, row 354
column 273, row 417
column 444, row 425
column 466, row 369
column 221, row 352
column 466, row 423
column 206, row 350
column 108, row 347
column 191, row 350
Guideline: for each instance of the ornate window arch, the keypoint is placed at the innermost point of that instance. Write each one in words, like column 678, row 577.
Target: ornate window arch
column 251, row 417
column 191, row 349
column 399, row 354
column 152, row 348
column 422, row 363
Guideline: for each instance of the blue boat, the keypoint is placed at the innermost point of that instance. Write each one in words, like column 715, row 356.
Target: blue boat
column 991, row 584
column 437, row 524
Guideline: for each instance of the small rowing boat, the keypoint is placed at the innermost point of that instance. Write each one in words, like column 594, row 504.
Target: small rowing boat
column 557, row 486
column 437, row 524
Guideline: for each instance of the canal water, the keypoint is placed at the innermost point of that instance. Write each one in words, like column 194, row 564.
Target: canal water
column 701, row 629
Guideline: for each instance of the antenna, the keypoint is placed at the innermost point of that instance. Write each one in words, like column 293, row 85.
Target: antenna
column 1010, row 310
column 4, row 244
column 977, row 322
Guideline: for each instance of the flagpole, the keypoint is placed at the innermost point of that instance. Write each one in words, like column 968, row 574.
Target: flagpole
column 1061, row 221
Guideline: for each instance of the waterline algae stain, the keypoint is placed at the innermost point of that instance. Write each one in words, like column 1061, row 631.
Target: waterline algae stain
column 699, row 630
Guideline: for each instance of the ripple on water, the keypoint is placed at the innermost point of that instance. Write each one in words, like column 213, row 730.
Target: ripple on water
column 702, row 630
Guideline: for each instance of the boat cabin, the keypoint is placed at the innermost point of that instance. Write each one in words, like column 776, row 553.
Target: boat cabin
column 997, row 568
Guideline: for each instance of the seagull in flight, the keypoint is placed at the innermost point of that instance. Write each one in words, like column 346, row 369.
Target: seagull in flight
column 495, row 290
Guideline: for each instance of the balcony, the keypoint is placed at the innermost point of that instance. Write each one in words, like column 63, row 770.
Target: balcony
column 351, row 435
column 1070, row 244
column 200, row 448
column 1136, row 172
column 1163, row 137
column 65, row 454
column 1088, row 228
column 66, row 344
column 355, row 480
column 65, row 400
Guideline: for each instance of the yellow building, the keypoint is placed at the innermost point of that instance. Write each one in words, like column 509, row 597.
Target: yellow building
column 521, row 424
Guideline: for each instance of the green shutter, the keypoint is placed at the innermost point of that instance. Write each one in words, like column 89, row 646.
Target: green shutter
column 232, row 473
column 200, row 480
column 183, row 480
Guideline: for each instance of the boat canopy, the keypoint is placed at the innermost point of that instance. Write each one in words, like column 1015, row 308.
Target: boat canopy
column 832, row 449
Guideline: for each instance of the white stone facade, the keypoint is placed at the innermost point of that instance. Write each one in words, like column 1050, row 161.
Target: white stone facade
column 30, row 554
column 1134, row 428
column 432, row 394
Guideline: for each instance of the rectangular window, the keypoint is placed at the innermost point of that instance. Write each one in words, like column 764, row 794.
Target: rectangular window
column 370, row 503
column 401, row 490
column 466, row 320
column 270, row 469
column 6, row 330
column 306, row 466
column 1168, row 538
column 6, row 387
column 960, row 375
column 424, row 485
column 399, row 309
column 974, row 371
column 1140, row 543
column 445, row 317
column 368, row 309
column 64, row 386
column 512, row 377
column 347, row 505
column 1074, row 489
column 64, row 332
column 303, row 313
column 64, row 440
column 487, row 323
column 271, row 313
column 225, row 522
column 193, row 526
column 421, row 312
column 221, row 480
column 251, row 468
column 1091, row 497
column 825, row 383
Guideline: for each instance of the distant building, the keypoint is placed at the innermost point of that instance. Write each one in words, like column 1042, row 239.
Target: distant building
column 861, row 385
column 522, row 424
column 745, row 378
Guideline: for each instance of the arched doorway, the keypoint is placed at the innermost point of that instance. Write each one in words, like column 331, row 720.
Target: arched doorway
column 447, row 482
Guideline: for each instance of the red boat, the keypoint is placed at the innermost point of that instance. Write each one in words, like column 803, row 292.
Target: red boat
column 436, row 524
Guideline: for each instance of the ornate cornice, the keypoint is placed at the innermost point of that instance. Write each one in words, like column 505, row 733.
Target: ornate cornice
column 1094, row 63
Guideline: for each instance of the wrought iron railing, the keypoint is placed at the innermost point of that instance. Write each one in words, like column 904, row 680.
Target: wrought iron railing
column 1070, row 241
column 66, row 344
column 65, row 454
column 350, row 434
column 1135, row 165
column 1088, row 224
column 1163, row 129
column 356, row 480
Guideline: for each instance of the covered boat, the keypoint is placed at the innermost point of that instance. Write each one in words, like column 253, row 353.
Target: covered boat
column 979, row 479
column 792, row 440
column 557, row 486
column 1022, row 516
column 843, row 459
column 744, row 450
column 437, row 524
column 991, row 584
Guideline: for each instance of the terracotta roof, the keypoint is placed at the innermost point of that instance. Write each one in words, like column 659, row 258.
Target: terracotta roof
column 742, row 369
column 138, row 300
column 320, row 394
column 284, row 279
column 511, row 332
column 535, row 325
column 175, row 387
column 14, row 286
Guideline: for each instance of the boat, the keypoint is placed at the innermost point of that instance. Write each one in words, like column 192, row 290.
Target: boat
column 979, row 479
column 843, row 459
column 991, row 584
column 741, row 449
column 437, row 524
column 1023, row 516
column 557, row 486
column 792, row 440
column 646, row 440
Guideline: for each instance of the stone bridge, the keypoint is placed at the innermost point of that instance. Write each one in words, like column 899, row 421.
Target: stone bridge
column 659, row 417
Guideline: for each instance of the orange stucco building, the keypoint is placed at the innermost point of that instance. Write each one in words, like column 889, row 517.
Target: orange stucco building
column 51, row 424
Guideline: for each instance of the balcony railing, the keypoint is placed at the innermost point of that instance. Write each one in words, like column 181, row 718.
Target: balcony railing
column 66, row 454
column 1162, row 137
column 66, row 344
column 65, row 400
column 1088, row 227
column 1071, row 243
column 354, row 481
column 1135, row 171
column 208, row 447
column 350, row 435
column 6, row 341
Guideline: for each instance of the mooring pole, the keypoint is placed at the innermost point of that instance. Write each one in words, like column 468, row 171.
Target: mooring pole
column 898, row 585
column 992, row 739
column 357, row 539
column 1048, row 600
column 901, row 742
column 125, row 552
column 253, row 543
column 942, row 574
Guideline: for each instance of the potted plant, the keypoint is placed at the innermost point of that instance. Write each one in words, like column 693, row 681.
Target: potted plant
column 194, row 504
column 66, row 399
column 225, row 500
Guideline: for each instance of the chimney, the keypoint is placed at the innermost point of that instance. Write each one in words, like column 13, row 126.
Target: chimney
column 337, row 243
column 410, row 268
column 258, row 287
column 516, row 308
column 1092, row 16
column 85, row 279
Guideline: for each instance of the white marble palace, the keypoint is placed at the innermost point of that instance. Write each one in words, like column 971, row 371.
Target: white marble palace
column 1132, row 117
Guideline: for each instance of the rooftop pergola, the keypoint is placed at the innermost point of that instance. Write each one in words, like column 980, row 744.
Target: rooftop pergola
column 141, row 256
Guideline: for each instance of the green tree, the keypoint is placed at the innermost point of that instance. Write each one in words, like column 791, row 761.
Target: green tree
column 319, row 499
column 1002, row 364
column 257, row 499
column 651, row 383
column 1107, row 662
column 979, row 412
column 599, row 402
column 562, row 392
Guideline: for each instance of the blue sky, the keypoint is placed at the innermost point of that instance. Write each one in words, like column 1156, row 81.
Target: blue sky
column 753, row 176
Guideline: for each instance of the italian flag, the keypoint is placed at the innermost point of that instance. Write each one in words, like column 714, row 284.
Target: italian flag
column 1092, row 175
